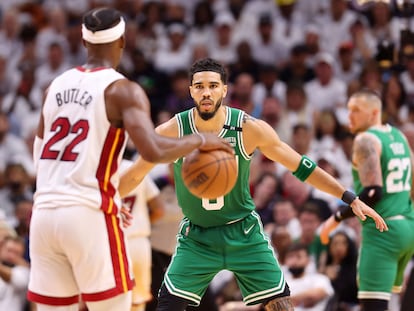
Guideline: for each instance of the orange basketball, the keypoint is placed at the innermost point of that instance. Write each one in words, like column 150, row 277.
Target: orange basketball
column 209, row 174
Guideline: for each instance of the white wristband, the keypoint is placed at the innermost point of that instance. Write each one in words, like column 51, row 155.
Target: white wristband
column 203, row 139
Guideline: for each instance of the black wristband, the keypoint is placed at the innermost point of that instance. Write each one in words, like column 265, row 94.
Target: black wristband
column 343, row 212
column 338, row 216
column 348, row 197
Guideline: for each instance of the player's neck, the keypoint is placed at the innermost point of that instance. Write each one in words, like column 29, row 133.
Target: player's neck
column 94, row 62
column 213, row 125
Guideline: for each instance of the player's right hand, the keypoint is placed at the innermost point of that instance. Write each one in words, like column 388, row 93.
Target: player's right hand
column 126, row 217
column 361, row 210
column 213, row 142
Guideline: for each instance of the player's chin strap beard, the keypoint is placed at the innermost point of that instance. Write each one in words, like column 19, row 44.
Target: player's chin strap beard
column 208, row 115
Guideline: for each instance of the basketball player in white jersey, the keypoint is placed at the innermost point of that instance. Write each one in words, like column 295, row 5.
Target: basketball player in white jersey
column 146, row 206
column 77, row 242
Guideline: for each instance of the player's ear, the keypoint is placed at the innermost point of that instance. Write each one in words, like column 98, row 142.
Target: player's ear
column 224, row 90
column 122, row 41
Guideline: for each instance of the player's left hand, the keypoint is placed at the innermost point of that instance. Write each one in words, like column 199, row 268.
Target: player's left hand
column 126, row 217
column 362, row 210
column 327, row 227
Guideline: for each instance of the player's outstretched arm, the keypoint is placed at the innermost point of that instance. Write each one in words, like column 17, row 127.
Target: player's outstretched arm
column 306, row 170
column 358, row 208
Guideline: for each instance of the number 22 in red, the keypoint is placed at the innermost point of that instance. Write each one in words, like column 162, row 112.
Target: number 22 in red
column 63, row 128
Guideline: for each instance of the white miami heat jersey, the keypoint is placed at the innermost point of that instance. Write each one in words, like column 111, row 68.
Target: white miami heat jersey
column 81, row 151
column 137, row 202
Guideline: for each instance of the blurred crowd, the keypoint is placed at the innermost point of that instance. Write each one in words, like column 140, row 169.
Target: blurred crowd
column 292, row 63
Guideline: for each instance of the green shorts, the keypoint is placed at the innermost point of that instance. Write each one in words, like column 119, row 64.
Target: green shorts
column 240, row 247
column 384, row 257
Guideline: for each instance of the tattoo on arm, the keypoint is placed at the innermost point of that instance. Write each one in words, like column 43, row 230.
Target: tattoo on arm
column 247, row 117
column 279, row 304
column 368, row 160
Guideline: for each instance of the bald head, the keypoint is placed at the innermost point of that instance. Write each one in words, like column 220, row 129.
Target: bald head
column 368, row 100
column 364, row 111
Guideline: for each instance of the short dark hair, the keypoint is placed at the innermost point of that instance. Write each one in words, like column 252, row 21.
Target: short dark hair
column 208, row 64
column 296, row 247
column 101, row 19
column 300, row 126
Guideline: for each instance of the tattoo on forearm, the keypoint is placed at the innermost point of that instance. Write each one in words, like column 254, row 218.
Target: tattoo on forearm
column 279, row 304
column 367, row 160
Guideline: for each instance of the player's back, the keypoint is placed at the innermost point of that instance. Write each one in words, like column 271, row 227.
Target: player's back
column 81, row 151
column 396, row 173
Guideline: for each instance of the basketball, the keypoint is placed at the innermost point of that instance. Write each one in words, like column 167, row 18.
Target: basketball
column 210, row 174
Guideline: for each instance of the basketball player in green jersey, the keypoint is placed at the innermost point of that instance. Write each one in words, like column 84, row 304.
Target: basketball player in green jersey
column 382, row 172
column 226, row 233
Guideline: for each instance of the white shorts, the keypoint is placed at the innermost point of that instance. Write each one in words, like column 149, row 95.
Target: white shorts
column 140, row 251
column 77, row 250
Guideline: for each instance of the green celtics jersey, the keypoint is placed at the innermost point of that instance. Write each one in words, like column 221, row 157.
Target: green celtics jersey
column 235, row 205
column 396, row 174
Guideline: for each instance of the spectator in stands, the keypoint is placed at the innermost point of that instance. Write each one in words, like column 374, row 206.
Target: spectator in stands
column 266, row 49
column 272, row 114
column 326, row 91
column 144, row 73
column 281, row 241
column 395, row 110
column 14, row 274
column 383, row 26
column 53, row 32
column 150, row 28
column 347, row 69
column 296, row 111
column 265, row 191
column 334, row 25
column 310, row 218
column 179, row 99
column 244, row 62
column 297, row 69
column 16, row 189
column 9, row 37
column 370, row 78
column 22, row 106
column 176, row 52
column 76, row 53
column 223, row 46
column 340, row 268
column 13, row 148
column 407, row 79
column 241, row 96
column 202, row 30
column 309, row 290
column 284, row 215
column 268, row 85
column 55, row 65
column 289, row 24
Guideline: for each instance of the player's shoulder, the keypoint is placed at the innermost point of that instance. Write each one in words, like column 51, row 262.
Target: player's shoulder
column 366, row 142
column 168, row 128
column 251, row 124
column 365, row 136
column 125, row 89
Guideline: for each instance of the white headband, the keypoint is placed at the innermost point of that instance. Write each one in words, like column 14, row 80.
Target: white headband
column 104, row 36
